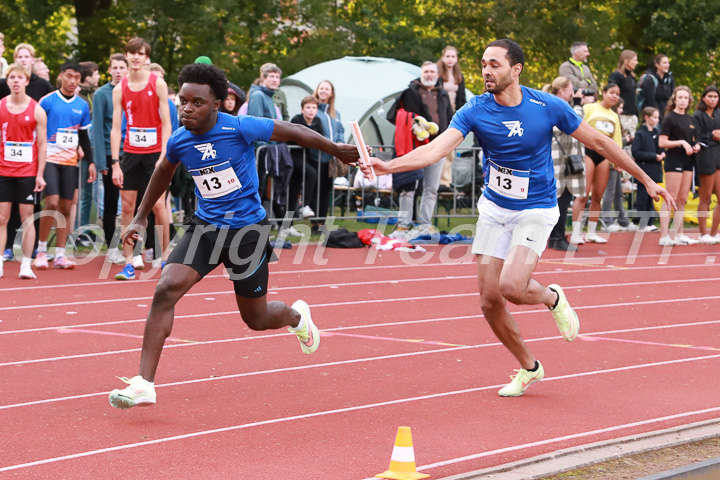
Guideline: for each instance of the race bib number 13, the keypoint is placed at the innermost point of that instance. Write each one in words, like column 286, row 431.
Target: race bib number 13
column 508, row 182
column 216, row 181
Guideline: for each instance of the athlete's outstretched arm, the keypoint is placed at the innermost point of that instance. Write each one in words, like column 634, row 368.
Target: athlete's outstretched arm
column 291, row 132
column 159, row 183
column 606, row 147
column 421, row 157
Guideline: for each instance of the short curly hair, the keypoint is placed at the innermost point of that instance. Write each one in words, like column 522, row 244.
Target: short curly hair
column 204, row 74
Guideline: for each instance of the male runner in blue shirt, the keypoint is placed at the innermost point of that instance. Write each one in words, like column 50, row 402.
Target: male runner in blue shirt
column 518, row 208
column 229, row 226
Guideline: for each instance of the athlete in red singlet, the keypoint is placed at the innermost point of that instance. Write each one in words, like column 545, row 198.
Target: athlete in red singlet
column 23, row 146
column 143, row 98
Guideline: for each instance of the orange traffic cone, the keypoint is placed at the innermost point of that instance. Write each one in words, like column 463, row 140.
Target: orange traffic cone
column 402, row 462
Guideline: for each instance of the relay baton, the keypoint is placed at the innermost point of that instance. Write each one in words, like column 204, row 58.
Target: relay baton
column 362, row 148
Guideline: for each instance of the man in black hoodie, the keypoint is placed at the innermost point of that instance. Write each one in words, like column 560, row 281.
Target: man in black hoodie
column 426, row 97
column 656, row 85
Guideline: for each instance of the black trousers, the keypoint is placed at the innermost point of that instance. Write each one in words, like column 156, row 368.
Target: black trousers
column 110, row 202
column 558, row 232
column 644, row 206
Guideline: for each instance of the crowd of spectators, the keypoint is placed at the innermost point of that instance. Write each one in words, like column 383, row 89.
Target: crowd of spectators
column 652, row 120
column 649, row 116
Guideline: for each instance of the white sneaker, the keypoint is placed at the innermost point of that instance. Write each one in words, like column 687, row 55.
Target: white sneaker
column 614, row 228
column 25, row 273
column 630, row 228
column 149, row 255
column 666, row 241
column 138, row 393
column 687, row 240
column 595, row 238
column 522, row 381
column 650, row 229
column 307, row 212
column 708, row 240
column 309, row 336
column 290, row 232
column 115, row 256
column 577, row 240
column 717, row 237
column 138, row 263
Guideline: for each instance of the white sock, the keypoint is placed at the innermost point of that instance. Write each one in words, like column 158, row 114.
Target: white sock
column 152, row 384
column 300, row 325
column 576, row 228
column 26, row 262
column 592, row 226
column 42, row 247
column 59, row 252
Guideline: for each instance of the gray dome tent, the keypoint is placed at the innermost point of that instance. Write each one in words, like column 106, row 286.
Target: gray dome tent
column 366, row 88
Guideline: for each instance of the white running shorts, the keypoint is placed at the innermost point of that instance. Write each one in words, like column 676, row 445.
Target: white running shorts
column 499, row 229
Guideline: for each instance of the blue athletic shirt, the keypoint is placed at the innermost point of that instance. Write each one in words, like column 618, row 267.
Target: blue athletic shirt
column 64, row 119
column 517, row 145
column 222, row 163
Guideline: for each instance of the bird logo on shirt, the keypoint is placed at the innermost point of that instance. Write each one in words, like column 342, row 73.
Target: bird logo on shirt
column 207, row 150
column 515, row 128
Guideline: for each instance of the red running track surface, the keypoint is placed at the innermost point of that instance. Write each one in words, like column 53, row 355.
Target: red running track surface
column 403, row 344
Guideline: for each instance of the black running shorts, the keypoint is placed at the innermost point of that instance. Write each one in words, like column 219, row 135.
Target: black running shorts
column 137, row 169
column 60, row 180
column 17, row 190
column 708, row 160
column 245, row 253
column 679, row 164
column 596, row 158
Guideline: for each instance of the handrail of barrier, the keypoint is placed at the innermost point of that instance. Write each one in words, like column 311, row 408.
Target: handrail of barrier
column 343, row 192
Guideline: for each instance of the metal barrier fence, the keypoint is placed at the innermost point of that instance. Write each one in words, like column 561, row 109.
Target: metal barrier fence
column 347, row 196
column 459, row 200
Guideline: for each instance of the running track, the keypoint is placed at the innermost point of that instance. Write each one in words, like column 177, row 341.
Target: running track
column 402, row 344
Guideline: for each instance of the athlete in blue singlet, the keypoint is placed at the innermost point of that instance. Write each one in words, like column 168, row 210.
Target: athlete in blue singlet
column 518, row 208
column 229, row 226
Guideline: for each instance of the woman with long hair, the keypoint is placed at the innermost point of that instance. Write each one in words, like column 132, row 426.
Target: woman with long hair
column 677, row 137
column 454, row 84
column 333, row 129
column 707, row 133
column 599, row 115
column 657, row 84
column 452, row 77
column 624, row 77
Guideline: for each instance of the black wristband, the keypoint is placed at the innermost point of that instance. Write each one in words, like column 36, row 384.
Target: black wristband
column 114, row 161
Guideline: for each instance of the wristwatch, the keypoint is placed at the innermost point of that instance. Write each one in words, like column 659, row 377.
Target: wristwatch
column 114, row 161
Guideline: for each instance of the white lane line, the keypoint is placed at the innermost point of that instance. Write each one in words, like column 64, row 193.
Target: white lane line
column 353, row 284
column 345, row 362
column 574, row 436
column 524, row 312
column 546, row 261
column 272, row 274
column 377, row 405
